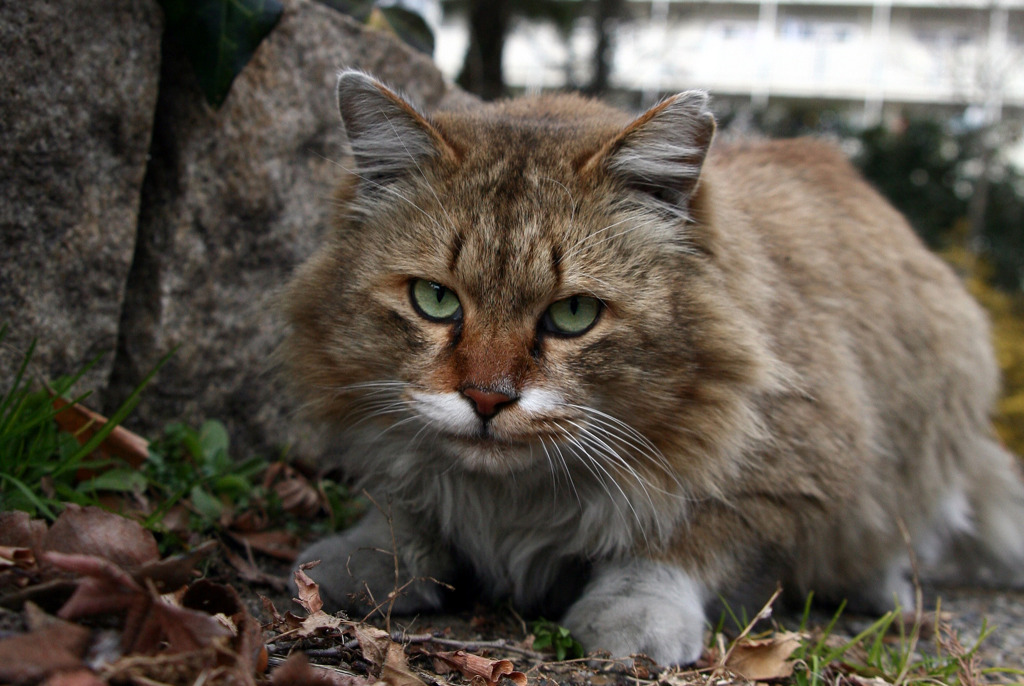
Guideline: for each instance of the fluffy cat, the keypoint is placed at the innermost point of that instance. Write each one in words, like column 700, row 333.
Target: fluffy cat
column 598, row 365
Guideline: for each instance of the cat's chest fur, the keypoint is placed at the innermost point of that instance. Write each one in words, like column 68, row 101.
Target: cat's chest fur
column 517, row 532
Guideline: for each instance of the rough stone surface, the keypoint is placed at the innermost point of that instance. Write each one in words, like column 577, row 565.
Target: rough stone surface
column 234, row 199
column 77, row 90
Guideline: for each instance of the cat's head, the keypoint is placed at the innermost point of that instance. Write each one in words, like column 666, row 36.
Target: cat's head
column 517, row 284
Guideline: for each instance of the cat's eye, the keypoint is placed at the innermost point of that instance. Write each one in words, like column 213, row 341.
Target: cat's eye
column 572, row 316
column 433, row 301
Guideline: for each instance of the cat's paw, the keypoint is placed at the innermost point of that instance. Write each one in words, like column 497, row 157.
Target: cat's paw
column 357, row 571
column 641, row 607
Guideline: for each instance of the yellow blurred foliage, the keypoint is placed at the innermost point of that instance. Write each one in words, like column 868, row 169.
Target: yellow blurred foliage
column 1006, row 310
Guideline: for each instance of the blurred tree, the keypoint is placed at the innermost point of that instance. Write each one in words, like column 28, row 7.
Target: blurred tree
column 916, row 166
column 933, row 173
column 491, row 20
column 606, row 13
column 481, row 69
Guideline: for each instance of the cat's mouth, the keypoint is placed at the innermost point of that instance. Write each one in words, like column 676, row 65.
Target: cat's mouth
column 488, row 452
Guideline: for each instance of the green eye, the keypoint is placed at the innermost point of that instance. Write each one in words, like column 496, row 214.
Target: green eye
column 432, row 300
column 572, row 316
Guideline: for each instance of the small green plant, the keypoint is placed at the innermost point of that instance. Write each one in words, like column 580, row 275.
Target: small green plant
column 39, row 465
column 888, row 649
column 550, row 636
column 192, row 463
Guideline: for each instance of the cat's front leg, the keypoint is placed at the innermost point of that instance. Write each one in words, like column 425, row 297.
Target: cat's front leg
column 641, row 606
column 357, row 568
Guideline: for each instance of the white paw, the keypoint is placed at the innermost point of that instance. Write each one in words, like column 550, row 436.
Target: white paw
column 644, row 607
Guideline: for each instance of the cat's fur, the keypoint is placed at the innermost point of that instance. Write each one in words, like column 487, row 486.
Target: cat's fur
column 782, row 377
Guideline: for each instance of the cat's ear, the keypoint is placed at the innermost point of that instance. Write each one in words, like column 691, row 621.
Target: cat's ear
column 388, row 136
column 661, row 153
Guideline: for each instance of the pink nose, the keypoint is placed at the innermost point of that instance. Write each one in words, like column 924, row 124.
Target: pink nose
column 487, row 402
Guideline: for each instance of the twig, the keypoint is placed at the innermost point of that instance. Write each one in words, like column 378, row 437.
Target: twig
column 397, row 588
column 499, row 644
column 915, row 631
column 765, row 612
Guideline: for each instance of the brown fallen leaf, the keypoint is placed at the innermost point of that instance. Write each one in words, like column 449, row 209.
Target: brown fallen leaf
column 316, row 620
column 279, row 544
column 309, row 590
column 16, row 557
column 477, row 667
column 171, row 573
column 92, row 531
column 31, row 657
column 296, row 671
column 150, row 623
column 764, row 659
column 19, row 530
column 78, row 677
column 298, row 496
column 277, row 620
column 196, row 667
column 387, row 656
column 251, row 573
column 83, row 423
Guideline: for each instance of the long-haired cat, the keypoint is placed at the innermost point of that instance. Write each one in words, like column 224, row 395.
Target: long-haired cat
column 599, row 365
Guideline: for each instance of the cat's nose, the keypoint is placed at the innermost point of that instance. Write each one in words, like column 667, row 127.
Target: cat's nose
column 487, row 402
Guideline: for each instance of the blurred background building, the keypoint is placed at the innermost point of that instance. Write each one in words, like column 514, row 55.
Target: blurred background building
column 860, row 57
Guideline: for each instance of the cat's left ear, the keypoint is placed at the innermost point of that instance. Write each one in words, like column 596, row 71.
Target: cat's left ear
column 661, row 153
column 389, row 137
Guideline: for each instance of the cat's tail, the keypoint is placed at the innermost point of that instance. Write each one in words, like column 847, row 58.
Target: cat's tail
column 978, row 538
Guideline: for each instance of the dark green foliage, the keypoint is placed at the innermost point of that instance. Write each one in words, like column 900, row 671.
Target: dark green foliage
column 929, row 171
column 195, row 464
column 219, row 37
column 407, row 25
column 1004, row 231
column 916, row 169
column 550, row 636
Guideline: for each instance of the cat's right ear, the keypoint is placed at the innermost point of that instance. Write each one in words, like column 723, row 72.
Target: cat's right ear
column 389, row 137
column 661, row 153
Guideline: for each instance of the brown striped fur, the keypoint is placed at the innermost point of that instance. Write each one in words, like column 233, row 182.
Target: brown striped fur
column 780, row 379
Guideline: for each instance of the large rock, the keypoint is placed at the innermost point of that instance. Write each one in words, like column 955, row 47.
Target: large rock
column 77, row 90
column 234, row 199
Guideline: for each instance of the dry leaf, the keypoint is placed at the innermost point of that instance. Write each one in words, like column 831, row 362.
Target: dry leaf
column 387, row 656
column 251, row 573
column 16, row 557
column 316, row 621
column 78, row 677
column 764, row 659
column 474, row 666
column 19, row 530
column 309, row 591
column 33, row 656
column 171, row 573
column 150, row 623
column 296, row 671
column 180, row 668
column 83, row 423
column 92, row 531
column 298, row 496
column 270, row 609
column 279, row 544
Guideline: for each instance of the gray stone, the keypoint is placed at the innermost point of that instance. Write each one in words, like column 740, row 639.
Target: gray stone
column 77, row 91
column 235, row 198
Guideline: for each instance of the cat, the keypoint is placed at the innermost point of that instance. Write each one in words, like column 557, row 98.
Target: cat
column 603, row 367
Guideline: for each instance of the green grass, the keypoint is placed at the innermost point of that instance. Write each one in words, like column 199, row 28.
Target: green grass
column 891, row 649
column 43, row 468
